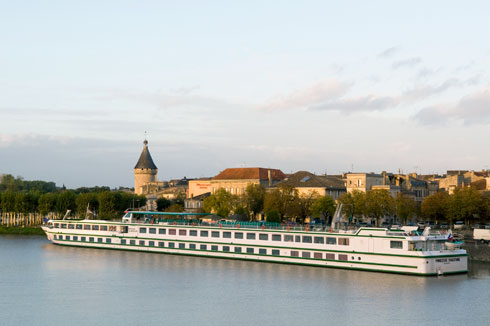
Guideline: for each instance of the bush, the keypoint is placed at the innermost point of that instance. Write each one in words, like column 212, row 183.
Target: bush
column 273, row 217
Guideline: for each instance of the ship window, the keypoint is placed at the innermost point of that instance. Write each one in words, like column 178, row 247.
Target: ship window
column 344, row 241
column 192, row 246
column 297, row 238
column 142, row 242
column 142, row 230
column 132, row 242
column 238, row 249
column 227, row 235
column 152, row 230
column 181, row 245
column 342, row 257
column 238, row 235
column 214, row 248
column 215, row 234
column 288, row 238
column 83, row 239
column 226, row 248
column 193, row 233
column 396, row 245
column 63, row 226
column 263, row 251
column 275, row 252
column 317, row 255
column 182, row 232
column 307, row 239
column 79, row 226
column 108, row 240
column 71, row 226
column 161, row 244
column 151, row 243
column 67, row 237
column 306, row 254
column 319, row 240
column 91, row 239
column 112, row 228
column 86, row 227
column 172, row 231
column 100, row 240
column 294, row 253
column 162, row 231
column 332, row 241
column 250, row 250
column 204, row 233
column 171, row 245
column 203, row 247
column 75, row 238
column 103, row 227
column 263, row 236
column 56, row 225
column 95, row 227
column 251, row 236
column 123, row 241
column 276, row 237
column 330, row 256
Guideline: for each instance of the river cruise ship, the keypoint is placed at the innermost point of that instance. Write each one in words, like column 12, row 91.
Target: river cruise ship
column 370, row 249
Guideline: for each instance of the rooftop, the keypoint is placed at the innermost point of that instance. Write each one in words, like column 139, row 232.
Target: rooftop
column 250, row 173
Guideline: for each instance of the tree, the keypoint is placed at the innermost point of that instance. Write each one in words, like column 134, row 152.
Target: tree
column 107, row 204
column 301, row 206
column 379, row 203
column 282, row 200
column 465, row 204
column 175, row 208
column 254, row 198
column 219, row 203
column 46, row 203
column 324, row 208
column 353, row 204
column 65, row 201
column 405, row 207
column 273, row 217
column 162, row 204
column 86, row 200
column 435, row 207
column 8, row 201
column 20, row 203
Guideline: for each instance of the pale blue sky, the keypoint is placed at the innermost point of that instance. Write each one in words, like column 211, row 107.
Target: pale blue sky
column 294, row 85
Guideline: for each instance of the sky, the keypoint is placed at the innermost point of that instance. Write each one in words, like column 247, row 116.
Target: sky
column 322, row 86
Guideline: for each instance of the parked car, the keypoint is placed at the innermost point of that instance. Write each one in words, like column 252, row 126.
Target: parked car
column 459, row 225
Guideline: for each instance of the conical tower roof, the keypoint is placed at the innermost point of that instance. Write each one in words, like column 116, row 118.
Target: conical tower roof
column 145, row 161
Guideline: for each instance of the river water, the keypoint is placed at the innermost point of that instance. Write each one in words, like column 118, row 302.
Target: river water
column 46, row 284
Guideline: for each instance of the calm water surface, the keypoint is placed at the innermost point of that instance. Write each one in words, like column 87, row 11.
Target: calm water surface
column 45, row 284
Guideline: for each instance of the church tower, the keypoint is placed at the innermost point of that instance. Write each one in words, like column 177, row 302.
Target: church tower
column 145, row 171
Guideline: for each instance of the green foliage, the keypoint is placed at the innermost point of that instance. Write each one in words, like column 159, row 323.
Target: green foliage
column 324, row 208
column 254, row 198
column 47, row 202
column 10, row 183
column 163, row 203
column 175, row 208
column 465, row 204
column 65, row 201
column 86, row 200
column 281, row 199
column 8, row 201
column 406, row 207
column 435, row 207
column 379, row 203
column 21, row 205
column 220, row 203
column 25, row 230
column 273, row 216
column 107, row 205
column 353, row 203
column 302, row 204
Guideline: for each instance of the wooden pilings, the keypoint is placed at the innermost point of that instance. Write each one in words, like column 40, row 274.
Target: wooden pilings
column 20, row 219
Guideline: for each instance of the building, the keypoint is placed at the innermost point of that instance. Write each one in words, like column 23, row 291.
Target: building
column 307, row 183
column 145, row 172
column 236, row 180
column 198, row 187
column 195, row 204
column 362, row 181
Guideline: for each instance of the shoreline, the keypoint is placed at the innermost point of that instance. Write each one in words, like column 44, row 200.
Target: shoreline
column 19, row 230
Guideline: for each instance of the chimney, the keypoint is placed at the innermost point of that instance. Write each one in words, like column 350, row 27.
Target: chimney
column 270, row 177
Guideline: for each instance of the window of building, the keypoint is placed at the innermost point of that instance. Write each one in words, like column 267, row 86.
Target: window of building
column 288, row 238
column 71, row 226
column 181, row 245
column 142, row 242
column 204, row 233
column 307, row 239
column 192, row 246
column 214, row 248
column 100, row 240
column 263, row 236
column 226, row 248
column 276, row 237
column 330, row 256
column 172, row 231
column 132, row 242
column 250, row 250
column 123, row 241
column 161, row 244
column 396, row 244
column 95, row 227
column 203, row 247
column 275, row 252
column 193, row 233
column 227, row 235
column 142, row 230
column 320, row 240
column 344, row 241
column 306, row 254
column 294, row 253
column 332, row 241
column 183, row 232
column 171, row 245
column 251, row 236
column 151, row 243
column 297, row 238
column 238, row 249
column 263, row 251
column 215, row 234
column 342, row 257
column 238, row 235
column 317, row 255
column 162, row 231
column 152, row 230
column 103, row 227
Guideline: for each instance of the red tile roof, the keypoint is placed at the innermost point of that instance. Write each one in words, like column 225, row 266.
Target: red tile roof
column 250, row 173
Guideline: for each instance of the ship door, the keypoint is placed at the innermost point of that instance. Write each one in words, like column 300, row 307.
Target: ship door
column 124, row 229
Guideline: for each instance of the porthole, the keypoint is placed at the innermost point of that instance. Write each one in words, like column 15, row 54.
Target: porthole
column 358, row 258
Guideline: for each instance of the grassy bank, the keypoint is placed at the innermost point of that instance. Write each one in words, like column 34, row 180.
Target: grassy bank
column 28, row 230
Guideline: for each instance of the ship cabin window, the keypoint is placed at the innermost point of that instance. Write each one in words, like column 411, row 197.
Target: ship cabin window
column 294, row 253
column 238, row 249
column 95, row 227
column 108, row 240
column 306, row 254
column 103, row 227
column 83, row 239
column 331, row 241
column 151, row 243
column 251, row 236
column 276, row 237
column 343, row 241
column 320, row 240
column 172, row 231
column 162, row 231
column 171, row 245
column 152, row 230
column 123, row 241
column 142, row 230
column 227, row 235
column 71, row 226
column 263, row 251
column 91, row 239
column 343, row 257
column 288, row 238
column 226, row 248
column 100, row 240
column 56, row 225
column 215, row 234
column 263, row 236
column 307, row 239
column 79, row 226
column 183, row 232
column 250, row 250
column 317, row 255
column 238, row 235
column 142, row 242
column 132, row 242
column 67, row 237
column 112, row 228
column 63, row 226
column 181, row 245
column 275, row 252
column 192, row 246
column 203, row 247
column 204, row 233
column 297, row 238
column 75, row 238
column 214, row 248
column 161, row 244
column 86, row 227
column 193, row 233
column 330, row 256
column 396, row 244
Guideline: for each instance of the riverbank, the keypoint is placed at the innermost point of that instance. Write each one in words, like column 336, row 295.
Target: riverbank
column 477, row 251
column 19, row 230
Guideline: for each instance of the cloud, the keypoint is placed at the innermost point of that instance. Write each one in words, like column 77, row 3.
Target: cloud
column 389, row 52
column 424, row 91
column 305, row 98
column 357, row 104
column 410, row 62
